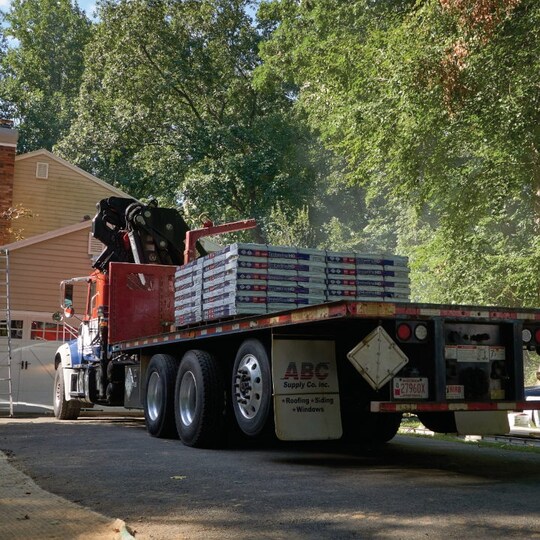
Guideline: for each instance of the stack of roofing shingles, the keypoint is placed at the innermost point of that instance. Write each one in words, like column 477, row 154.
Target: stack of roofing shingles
column 341, row 275
column 296, row 277
column 188, row 281
column 384, row 277
column 235, row 281
column 258, row 278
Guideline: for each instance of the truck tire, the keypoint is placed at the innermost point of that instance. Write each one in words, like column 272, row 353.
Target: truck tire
column 63, row 409
column 383, row 427
column 159, row 396
column 252, row 388
column 372, row 428
column 199, row 401
column 438, row 422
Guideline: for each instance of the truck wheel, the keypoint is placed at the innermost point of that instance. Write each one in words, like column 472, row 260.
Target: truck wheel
column 374, row 428
column 438, row 422
column 63, row 409
column 199, row 401
column 384, row 427
column 252, row 387
column 159, row 396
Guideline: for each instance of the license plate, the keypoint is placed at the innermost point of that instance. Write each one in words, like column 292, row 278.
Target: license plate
column 410, row 388
column 455, row 391
column 474, row 353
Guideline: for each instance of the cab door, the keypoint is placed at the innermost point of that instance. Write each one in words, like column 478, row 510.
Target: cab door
column 88, row 341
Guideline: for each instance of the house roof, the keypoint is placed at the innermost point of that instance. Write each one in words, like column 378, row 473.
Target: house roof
column 50, row 155
column 47, row 236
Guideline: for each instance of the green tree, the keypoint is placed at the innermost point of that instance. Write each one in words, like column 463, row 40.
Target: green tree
column 434, row 104
column 6, row 108
column 41, row 68
column 167, row 108
column 287, row 230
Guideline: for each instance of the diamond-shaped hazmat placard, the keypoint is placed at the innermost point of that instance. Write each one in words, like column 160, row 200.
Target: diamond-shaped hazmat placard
column 377, row 358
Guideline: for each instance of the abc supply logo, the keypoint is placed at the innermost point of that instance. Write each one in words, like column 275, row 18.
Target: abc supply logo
column 301, row 375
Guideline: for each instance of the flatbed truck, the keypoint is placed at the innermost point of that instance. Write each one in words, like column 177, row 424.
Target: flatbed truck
column 341, row 370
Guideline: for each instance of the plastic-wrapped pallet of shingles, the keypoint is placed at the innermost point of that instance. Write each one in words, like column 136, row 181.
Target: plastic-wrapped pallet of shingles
column 372, row 271
column 312, row 255
column 340, row 268
column 283, row 253
column 224, row 305
column 340, row 275
column 389, row 274
column 295, row 277
column 396, row 279
column 188, row 293
column 281, row 301
column 238, row 308
column 235, row 281
column 237, row 250
column 311, row 298
column 251, row 258
column 283, row 278
column 311, row 267
column 189, row 313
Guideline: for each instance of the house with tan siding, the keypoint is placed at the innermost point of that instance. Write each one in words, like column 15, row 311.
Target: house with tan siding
column 50, row 241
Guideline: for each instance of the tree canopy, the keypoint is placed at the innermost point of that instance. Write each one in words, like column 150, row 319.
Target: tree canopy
column 435, row 104
column 167, row 108
column 369, row 124
column 41, row 63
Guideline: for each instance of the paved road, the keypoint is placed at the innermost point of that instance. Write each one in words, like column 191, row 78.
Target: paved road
column 412, row 488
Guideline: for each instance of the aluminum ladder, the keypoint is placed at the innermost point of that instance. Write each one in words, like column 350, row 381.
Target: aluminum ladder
column 6, row 386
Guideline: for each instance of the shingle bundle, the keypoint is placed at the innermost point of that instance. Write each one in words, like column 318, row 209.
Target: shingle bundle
column 258, row 278
column 234, row 281
column 383, row 277
column 188, row 281
column 340, row 275
column 296, row 277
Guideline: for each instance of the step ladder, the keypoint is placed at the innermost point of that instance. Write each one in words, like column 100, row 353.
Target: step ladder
column 6, row 387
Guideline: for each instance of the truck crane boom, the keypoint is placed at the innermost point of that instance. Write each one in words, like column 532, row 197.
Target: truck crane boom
column 138, row 233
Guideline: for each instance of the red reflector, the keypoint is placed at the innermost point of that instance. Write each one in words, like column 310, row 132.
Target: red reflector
column 537, row 335
column 404, row 332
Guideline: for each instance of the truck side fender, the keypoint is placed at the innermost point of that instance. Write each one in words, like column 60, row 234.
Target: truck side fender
column 66, row 355
column 69, row 354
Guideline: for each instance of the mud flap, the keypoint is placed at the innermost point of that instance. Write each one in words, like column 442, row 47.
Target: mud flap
column 306, row 391
column 482, row 422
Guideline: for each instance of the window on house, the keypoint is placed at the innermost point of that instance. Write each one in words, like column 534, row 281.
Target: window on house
column 95, row 247
column 42, row 170
column 16, row 329
column 47, row 331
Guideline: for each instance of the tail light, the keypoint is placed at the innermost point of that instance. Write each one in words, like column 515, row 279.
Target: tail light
column 412, row 331
column 421, row 332
column 530, row 335
column 404, row 332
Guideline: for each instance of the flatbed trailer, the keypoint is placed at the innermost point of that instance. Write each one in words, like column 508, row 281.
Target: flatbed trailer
column 345, row 369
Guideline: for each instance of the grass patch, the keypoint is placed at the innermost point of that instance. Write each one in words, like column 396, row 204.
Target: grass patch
column 481, row 443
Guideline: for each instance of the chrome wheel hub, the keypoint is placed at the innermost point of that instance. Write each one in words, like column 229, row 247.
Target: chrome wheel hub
column 187, row 398
column 248, row 386
column 154, row 395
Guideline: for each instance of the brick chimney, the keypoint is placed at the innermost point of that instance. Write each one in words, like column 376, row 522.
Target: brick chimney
column 8, row 147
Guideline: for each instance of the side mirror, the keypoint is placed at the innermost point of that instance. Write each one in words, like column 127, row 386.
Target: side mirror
column 57, row 316
column 69, row 312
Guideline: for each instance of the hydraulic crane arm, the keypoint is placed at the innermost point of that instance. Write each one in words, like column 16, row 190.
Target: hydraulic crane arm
column 133, row 232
